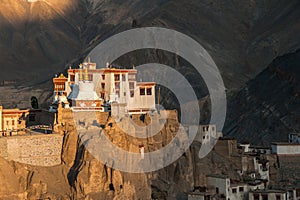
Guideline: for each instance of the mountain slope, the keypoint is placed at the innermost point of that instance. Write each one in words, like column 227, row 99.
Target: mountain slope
column 42, row 38
column 267, row 109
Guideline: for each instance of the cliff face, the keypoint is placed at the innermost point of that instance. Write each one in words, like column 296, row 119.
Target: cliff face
column 82, row 176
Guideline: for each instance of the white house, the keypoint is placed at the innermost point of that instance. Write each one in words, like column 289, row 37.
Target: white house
column 282, row 148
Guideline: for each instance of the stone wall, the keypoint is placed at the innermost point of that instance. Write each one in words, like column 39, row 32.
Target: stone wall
column 38, row 149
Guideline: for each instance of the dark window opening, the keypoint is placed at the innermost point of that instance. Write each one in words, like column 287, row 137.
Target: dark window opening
column 123, row 77
column 131, row 93
column 264, row 197
column 103, row 77
column 149, row 91
column 142, row 91
column 111, row 187
column 233, row 190
column 241, row 189
column 117, row 77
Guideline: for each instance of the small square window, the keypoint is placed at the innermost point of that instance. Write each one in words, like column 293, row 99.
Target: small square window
column 149, row 91
column 142, row 91
column 131, row 85
column 117, row 77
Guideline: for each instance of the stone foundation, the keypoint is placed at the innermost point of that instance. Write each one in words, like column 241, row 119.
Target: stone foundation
column 38, row 149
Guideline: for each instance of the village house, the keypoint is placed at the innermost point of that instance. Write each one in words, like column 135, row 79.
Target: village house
column 12, row 120
column 284, row 148
column 270, row 194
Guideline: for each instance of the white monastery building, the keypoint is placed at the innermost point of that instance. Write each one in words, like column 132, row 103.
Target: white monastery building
column 89, row 88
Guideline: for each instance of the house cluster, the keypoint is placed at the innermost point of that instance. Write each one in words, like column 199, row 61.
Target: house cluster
column 18, row 121
column 253, row 169
column 105, row 89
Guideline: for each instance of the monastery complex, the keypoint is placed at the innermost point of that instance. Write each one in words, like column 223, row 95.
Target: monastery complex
column 89, row 88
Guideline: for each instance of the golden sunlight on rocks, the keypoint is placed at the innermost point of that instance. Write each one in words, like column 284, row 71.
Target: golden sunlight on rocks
column 19, row 11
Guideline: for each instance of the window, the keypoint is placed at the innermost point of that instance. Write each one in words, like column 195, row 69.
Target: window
column 149, row 91
column 233, row 190
column 103, row 76
column 117, row 85
column 278, row 197
column 123, row 77
column 103, row 85
column 256, row 196
column 7, row 122
column 124, row 94
column 131, row 85
column 142, row 91
column 13, row 122
column 264, row 197
column 90, row 77
column 117, row 77
column 72, row 78
column 241, row 189
column 131, row 93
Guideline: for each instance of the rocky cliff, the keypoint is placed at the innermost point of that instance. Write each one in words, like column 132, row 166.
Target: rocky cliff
column 82, row 176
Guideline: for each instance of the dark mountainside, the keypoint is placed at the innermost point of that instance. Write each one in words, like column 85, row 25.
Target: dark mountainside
column 44, row 38
column 40, row 39
column 267, row 109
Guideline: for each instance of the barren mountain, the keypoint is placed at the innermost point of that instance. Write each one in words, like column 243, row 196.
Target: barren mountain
column 267, row 108
column 41, row 38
